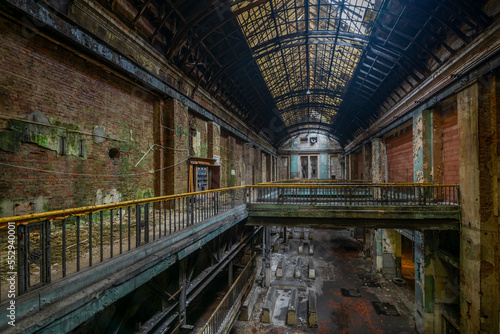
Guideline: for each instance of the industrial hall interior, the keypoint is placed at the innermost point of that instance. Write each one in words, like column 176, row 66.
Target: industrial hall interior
column 249, row 166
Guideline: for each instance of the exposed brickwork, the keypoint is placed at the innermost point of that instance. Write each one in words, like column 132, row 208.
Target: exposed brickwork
column 399, row 149
column 177, row 144
column 37, row 75
column 450, row 144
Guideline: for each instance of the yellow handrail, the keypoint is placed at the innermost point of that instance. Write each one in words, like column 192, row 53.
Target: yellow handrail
column 60, row 214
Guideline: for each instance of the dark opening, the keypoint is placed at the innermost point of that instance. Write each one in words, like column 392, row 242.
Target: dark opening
column 114, row 153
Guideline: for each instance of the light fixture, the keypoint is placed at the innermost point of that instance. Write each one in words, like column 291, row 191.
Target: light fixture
column 308, row 92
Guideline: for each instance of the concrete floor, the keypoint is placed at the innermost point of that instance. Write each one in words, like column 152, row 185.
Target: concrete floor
column 340, row 270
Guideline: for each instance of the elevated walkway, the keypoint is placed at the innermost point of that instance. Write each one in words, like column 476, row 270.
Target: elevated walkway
column 336, row 205
column 71, row 264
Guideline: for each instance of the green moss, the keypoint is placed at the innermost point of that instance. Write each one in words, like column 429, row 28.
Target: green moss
column 49, row 138
column 144, row 193
column 10, row 141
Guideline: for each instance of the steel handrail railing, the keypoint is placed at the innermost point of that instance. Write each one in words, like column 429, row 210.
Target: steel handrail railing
column 52, row 245
column 76, row 238
column 218, row 317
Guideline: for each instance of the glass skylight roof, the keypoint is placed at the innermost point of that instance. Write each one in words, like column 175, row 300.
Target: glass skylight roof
column 307, row 51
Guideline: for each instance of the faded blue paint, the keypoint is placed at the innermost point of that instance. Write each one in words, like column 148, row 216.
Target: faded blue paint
column 294, row 166
column 422, row 148
column 323, row 166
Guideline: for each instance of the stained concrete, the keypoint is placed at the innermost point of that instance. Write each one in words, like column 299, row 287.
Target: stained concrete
column 339, row 265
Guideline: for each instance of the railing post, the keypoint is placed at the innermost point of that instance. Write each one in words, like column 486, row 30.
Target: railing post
column 146, row 222
column 191, row 205
column 46, row 252
column 232, row 198
column 245, row 195
column 21, row 262
column 137, row 226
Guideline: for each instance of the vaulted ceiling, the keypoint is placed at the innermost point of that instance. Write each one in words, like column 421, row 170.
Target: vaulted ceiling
column 289, row 66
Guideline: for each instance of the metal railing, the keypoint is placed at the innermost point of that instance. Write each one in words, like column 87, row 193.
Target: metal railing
column 222, row 314
column 318, row 181
column 355, row 194
column 45, row 247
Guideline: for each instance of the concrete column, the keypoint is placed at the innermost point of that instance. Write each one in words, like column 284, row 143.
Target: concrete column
column 182, row 294
column 424, row 283
column 378, row 160
column 367, row 162
column 348, row 164
column 387, row 248
column 294, row 166
column 480, row 242
column 422, row 147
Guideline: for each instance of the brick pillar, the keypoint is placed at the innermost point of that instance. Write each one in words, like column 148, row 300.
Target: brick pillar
column 177, row 142
column 353, row 166
column 347, row 167
column 422, row 147
column 480, row 239
column 159, row 162
column 213, row 140
column 367, row 161
column 378, row 160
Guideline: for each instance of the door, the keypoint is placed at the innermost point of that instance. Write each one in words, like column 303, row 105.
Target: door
column 304, row 167
column 215, row 177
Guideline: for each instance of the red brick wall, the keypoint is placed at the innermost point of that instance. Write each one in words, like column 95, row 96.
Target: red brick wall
column 76, row 95
column 450, row 145
column 399, row 148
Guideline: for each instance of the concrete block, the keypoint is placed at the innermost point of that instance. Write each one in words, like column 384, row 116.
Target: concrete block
column 276, row 246
column 268, row 306
column 293, row 303
column 311, row 249
column 312, row 313
column 268, row 275
column 288, row 285
column 301, row 248
column 249, row 303
column 297, row 268
column 280, row 269
column 312, row 271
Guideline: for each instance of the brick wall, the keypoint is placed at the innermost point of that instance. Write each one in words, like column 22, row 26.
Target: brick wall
column 37, row 76
column 359, row 165
column 399, row 147
column 450, row 144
